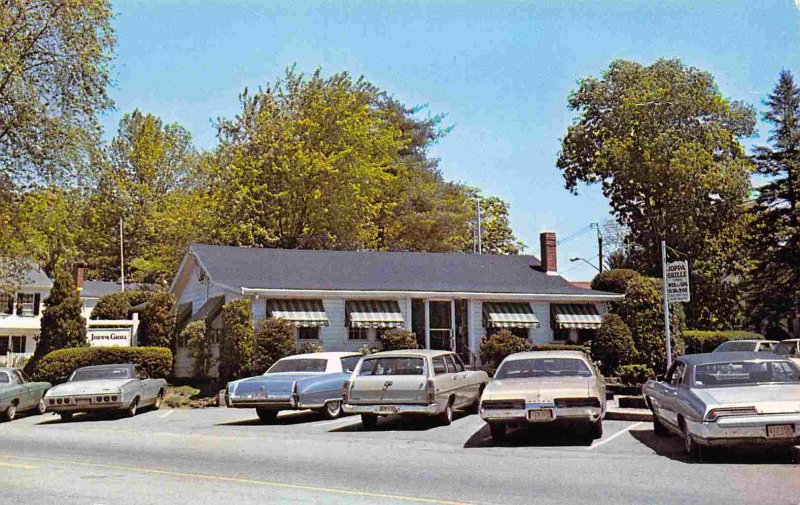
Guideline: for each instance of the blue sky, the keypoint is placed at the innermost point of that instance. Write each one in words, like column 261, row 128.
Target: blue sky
column 500, row 70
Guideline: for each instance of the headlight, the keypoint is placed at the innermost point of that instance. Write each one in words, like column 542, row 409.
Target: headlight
column 715, row 414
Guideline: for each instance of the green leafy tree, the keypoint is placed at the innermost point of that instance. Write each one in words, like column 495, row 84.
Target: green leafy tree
column 664, row 145
column 613, row 344
column 397, row 339
column 157, row 324
column 118, row 305
column 497, row 346
column 236, row 349
column 273, row 340
column 774, row 245
column 614, row 281
column 310, row 347
column 200, row 347
column 63, row 326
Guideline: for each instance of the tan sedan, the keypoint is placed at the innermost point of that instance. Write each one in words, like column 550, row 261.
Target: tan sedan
column 545, row 387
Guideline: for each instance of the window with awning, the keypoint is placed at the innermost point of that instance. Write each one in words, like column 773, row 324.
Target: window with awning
column 581, row 316
column 374, row 314
column 509, row 315
column 301, row 313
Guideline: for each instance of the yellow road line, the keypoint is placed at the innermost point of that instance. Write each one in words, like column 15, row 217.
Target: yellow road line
column 16, row 465
column 221, row 478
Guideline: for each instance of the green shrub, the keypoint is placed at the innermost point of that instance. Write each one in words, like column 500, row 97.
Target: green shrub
column 118, row 305
column 310, row 347
column 200, row 347
column 496, row 347
column 273, row 340
column 634, row 374
column 157, row 325
column 560, row 347
column 396, row 339
column 613, row 345
column 614, row 281
column 58, row 365
column 699, row 341
column 237, row 345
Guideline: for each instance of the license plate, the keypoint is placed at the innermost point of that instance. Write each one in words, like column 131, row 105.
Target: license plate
column 261, row 395
column 780, row 431
column 387, row 409
column 84, row 402
column 539, row 415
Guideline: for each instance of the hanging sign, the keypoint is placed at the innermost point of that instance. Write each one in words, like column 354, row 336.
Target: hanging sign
column 109, row 337
column 678, row 282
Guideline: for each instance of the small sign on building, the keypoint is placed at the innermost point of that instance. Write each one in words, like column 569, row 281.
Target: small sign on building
column 678, row 282
column 109, row 337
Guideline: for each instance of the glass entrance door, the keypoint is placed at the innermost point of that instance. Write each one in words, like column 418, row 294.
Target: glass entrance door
column 441, row 325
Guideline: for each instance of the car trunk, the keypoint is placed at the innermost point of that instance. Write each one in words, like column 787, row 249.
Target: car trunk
column 276, row 384
column 389, row 380
column 545, row 389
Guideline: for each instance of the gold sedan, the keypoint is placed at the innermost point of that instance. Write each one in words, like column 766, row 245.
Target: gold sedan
column 545, row 387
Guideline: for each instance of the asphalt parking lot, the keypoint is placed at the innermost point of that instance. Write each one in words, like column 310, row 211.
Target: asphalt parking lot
column 216, row 454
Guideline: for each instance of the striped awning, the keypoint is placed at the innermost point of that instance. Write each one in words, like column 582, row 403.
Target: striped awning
column 509, row 315
column 580, row 316
column 301, row 313
column 374, row 314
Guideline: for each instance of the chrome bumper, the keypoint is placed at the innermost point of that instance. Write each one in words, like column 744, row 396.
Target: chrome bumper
column 567, row 414
column 385, row 410
column 83, row 407
column 744, row 430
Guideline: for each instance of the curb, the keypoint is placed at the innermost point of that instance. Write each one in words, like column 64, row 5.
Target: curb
column 641, row 415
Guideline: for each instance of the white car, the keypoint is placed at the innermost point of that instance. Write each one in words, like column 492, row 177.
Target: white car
column 747, row 346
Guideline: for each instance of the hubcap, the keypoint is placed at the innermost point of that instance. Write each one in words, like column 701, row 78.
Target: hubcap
column 333, row 407
column 12, row 412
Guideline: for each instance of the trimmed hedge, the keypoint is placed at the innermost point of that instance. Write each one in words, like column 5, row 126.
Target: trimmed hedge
column 699, row 341
column 58, row 365
column 560, row 347
column 635, row 374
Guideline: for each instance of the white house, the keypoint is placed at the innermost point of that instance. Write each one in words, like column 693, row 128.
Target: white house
column 344, row 299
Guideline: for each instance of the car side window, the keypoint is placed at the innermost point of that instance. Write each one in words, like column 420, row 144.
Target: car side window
column 458, row 362
column 349, row 363
column 4, row 378
column 451, row 365
column 439, row 367
column 676, row 378
column 141, row 374
column 20, row 377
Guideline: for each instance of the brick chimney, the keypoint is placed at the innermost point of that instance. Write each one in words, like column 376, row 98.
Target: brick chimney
column 547, row 241
column 79, row 275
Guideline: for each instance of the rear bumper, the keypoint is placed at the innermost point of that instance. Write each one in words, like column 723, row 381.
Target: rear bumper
column 745, row 430
column 378, row 409
column 87, row 408
column 561, row 415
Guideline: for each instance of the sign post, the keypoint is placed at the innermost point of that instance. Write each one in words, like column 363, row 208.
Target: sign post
column 676, row 289
column 668, row 340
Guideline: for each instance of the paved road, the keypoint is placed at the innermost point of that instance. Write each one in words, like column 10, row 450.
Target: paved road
column 223, row 456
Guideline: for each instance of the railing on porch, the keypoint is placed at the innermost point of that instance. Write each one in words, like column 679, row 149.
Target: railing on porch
column 14, row 359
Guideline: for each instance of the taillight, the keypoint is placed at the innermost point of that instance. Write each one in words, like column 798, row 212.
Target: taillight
column 730, row 412
column 295, row 396
column 430, row 390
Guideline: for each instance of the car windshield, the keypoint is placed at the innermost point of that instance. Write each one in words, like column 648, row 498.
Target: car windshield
column 745, row 373
column 543, row 367
column 299, row 365
column 393, row 366
column 87, row 374
column 735, row 346
column 784, row 348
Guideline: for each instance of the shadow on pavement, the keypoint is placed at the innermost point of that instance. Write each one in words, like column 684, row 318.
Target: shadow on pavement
column 399, row 423
column 81, row 418
column 672, row 448
column 285, row 420
column 530, row 436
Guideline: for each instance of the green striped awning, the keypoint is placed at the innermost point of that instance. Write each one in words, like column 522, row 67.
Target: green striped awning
column 577, row 316
column 374, row 314
column 301, row 313
column 509, row 315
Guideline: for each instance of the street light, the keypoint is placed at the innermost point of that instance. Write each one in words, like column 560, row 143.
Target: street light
column 573, row 260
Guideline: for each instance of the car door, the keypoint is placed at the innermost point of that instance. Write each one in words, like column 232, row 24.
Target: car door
column 147, row 384
column 673, row 386
column 443, row 378
column 459, row 381
column 26, row 395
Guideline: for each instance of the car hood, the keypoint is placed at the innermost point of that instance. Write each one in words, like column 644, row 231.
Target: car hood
column 88, row 387
column 282, row 382
column 539, row 388
column 763, row 394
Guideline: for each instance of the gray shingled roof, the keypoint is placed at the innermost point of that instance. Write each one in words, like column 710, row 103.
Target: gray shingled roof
column 245, row 267
column 96, row 289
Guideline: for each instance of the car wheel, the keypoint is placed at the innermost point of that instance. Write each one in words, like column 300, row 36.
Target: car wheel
column 333, row 409
column 369, row 421
column 132, row 408
column 692, row 448
column 267, row 415
column 498, row 431
column 65, row 416
column 658, row 427
column 159, row 400
column 446, row 417
column 473, row 409
column 10, row 413
column 41, row 408
column 596, row 430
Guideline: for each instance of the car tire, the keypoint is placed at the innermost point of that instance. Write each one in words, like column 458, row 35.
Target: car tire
column 132, row 408
column 658, row 427
column 65, row 416
column 10, row 413
column 159, row 400
column 369, row 421
column 333, row 409
column 41, row 408
column 475, row 407
column 267, row 416
column 446, row 417
column 596, row 430
column 498, row 431
column 692, row 448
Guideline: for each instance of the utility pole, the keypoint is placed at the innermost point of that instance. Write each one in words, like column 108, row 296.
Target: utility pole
column 478, row 210
column 599, row 247
column 121, row 256
column 667, row 343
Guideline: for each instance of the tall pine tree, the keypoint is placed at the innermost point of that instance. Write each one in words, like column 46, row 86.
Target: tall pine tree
column 774, row 286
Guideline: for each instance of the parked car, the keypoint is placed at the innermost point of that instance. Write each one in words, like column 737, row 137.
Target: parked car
column 790, row 349
column 747, row 346
column 412, row 382
column 545, row 387
column 726, row 399
column 20, row 394
column 123, row 388
column 304, row 381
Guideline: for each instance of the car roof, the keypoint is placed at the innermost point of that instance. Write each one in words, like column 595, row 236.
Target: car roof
column 721, row 357
column 322, row 355
column 546, row 354
column 7, row 369
column 412, row 352
column 106, row 367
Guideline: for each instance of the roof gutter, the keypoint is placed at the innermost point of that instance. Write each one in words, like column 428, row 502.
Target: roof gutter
column 323, row 293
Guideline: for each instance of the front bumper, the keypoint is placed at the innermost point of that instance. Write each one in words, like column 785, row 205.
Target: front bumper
column 745, row 430
column 560, row 415
column 430, row 409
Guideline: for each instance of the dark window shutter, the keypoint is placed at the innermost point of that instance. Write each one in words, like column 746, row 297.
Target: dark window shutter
column 10, row 308
column 19, row 304
column 37, row 300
